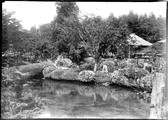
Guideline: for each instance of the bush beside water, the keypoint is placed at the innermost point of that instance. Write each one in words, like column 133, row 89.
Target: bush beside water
column 19, row 104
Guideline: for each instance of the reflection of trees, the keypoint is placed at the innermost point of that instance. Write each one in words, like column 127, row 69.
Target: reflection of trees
column 86, row 91
column 115, row 97
column 122, row 96
column 106, row 93
column 57, row 89
column 103, row 92
column 63, row 91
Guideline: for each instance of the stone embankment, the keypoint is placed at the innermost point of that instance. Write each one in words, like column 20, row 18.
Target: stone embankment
column 125, row 73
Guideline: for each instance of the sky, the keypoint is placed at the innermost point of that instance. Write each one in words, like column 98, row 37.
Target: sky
column 38, row 13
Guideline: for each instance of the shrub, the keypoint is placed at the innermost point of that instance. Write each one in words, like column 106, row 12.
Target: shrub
column 133, row 72
column 86, row 75
column 146, row 82
column 122, row 64
column 87, row 66
column 101, row 77
column 127, row 63
column 141, row 72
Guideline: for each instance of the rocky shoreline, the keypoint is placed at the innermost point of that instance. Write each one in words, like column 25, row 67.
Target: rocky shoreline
column 129, row 76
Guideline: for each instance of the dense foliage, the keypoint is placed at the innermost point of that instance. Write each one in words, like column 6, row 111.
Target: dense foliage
column 80, row 37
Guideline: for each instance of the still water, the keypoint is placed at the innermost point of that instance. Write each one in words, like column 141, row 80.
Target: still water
column 79, row 100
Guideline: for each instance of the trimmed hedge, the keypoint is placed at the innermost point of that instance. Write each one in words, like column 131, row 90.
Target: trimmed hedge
column 86, row 76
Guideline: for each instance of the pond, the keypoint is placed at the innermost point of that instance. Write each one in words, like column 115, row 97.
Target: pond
column 63, row 99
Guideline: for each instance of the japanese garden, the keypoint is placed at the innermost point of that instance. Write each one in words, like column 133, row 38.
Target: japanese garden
column 114, row 61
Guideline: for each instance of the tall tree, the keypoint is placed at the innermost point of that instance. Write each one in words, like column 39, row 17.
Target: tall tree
column 11, row 31
column 67, row 32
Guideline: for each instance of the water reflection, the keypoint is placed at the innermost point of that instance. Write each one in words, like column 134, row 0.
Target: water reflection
column 80, row 100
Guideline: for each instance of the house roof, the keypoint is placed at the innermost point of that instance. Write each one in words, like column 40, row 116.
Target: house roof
column 133, row 39
column 156, row 48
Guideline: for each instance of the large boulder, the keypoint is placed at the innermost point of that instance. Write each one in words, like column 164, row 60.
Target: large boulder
column 26, row 71
column 86, row 76
column 65, row 62
column 62, row 73
column 35, row 67
column 109, row 63
column 56, row 74
column 89, row 60
column 70, row 74
column 48, row 70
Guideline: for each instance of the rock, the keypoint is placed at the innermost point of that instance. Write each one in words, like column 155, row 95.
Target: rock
column 86, row 75
column 48, row 70
column 110, row 65
column 14, row 74
column 114, row 76
column 56, row 74
column 102, row 77
column 35, row 67
column 70, row 74
column 26, row 71
column 60, row 73
column 90, row 60
column 65, row 62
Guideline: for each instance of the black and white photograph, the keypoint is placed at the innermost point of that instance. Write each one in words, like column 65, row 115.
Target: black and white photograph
column 74, row 60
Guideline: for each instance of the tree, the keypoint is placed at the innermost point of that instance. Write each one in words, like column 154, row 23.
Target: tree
column 11, row 31
column 67, row 30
